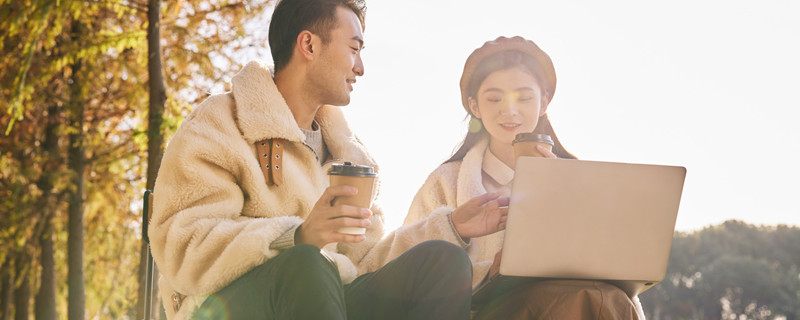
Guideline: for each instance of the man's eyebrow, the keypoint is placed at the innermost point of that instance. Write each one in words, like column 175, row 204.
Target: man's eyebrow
column 360, row 41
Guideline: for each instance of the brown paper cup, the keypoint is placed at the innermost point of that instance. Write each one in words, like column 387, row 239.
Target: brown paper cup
column 525, row 144
column 528, row 149
column 363, row 199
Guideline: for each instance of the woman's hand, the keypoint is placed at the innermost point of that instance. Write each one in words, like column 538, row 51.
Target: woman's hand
column 482, row 215
column 546, row 152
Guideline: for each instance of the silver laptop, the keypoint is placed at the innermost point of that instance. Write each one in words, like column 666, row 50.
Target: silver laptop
column 576, row 219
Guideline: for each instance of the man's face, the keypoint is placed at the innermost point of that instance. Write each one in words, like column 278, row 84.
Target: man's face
column 339, row 63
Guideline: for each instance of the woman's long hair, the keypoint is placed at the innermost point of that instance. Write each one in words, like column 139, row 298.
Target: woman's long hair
column 473, row 136
column 502, row 61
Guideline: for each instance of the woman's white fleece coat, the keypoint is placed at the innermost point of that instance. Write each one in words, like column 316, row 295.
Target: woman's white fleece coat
column 451, row 185
column 214, row 215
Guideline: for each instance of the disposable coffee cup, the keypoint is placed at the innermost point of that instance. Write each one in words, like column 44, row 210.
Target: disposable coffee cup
column 525, row 144
column 359, row 177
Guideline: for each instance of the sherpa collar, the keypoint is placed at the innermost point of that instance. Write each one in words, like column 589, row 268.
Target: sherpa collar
column 470, row 177
column 262, row 114
column 261, row 111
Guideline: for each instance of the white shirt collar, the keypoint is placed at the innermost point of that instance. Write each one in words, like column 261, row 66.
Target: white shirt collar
column 496, row 169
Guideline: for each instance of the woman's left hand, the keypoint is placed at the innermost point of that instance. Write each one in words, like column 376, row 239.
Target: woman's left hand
column 481, row 215
column 546, row 152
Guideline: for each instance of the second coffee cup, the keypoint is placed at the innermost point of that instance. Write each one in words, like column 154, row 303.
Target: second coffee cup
column 525, row 144
column 359, row 177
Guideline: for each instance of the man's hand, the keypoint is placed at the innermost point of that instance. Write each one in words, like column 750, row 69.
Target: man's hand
column 482, row 215
column 322, row 225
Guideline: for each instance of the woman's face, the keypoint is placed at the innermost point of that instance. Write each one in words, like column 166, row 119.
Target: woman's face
column 508, row 102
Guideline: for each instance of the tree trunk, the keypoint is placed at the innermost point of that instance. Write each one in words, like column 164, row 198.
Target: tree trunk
column 6, row 290
column 155, row 136
column 77, row 165
column 45, row 300
column 75, row 227
column 158, row 94
column 22, row 297
column 77, row 296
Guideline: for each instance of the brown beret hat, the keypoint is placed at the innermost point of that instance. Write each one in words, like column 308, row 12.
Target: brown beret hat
column 507, row 44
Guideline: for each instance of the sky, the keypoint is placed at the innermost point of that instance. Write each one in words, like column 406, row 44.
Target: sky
column 709, row 85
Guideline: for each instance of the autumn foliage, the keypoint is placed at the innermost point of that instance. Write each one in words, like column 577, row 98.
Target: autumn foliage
column 74, row 140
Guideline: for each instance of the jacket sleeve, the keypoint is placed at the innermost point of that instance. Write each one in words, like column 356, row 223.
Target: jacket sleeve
column 199, row 238
column 428, row 219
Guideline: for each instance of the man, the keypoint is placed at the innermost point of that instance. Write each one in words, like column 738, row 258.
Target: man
column 243, row 207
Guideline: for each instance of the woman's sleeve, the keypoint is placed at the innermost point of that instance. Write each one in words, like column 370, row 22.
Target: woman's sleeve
column 428, row 219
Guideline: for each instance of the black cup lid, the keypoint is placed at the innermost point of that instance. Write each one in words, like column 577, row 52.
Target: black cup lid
column 533, row 137
column 349, row 169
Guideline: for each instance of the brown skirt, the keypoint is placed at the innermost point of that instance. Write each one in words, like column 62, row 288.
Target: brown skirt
column 560, row 299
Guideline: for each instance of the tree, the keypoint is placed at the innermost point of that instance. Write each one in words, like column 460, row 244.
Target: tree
column 22, row 295
column 93, row 84
column 45, row 305
column 77, row 164
column 155, row 137
column 733, row 270
column 50, row 66
column 6, row 290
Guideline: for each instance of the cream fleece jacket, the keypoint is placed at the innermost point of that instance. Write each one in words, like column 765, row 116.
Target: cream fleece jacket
column 215, row 217
column 449, row 186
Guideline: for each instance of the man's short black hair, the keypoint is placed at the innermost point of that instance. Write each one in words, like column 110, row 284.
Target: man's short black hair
column 294, row 16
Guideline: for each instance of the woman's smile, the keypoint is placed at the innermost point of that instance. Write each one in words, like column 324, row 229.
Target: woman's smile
column 510, row 126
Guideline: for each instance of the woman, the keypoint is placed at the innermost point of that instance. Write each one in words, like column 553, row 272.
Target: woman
column 506, row 87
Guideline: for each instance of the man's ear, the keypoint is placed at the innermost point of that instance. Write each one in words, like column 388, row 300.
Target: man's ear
column 307, row 45
column 473, row 107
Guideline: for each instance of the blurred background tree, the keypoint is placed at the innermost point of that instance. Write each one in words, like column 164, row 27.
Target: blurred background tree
column 74, row 148
column 730, row 271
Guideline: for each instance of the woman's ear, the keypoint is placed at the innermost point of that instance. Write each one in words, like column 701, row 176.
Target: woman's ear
column 543, row 109
column 473, row 107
